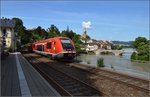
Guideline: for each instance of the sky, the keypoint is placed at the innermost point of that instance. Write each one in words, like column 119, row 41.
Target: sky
column 110, row 20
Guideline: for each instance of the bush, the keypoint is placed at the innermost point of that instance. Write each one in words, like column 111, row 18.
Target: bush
column 81, row 52
column 91, row 52
column 133, row 56
column 88, row 62
column 100, row 62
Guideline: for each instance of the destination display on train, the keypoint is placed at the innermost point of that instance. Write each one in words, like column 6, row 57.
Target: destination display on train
column 65, row 41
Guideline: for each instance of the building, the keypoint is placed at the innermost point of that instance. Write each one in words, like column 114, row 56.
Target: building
column 91, row 41
column 84, row 35
column 91, row 47
column 7, row 35
column 105, row 44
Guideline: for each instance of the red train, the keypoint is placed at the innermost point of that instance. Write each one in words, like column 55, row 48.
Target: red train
column 56, row 48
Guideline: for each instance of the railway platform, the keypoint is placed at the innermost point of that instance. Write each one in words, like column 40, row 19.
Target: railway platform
column 19, row 78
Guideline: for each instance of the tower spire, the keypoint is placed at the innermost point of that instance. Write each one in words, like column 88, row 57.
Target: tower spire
column 68, row 28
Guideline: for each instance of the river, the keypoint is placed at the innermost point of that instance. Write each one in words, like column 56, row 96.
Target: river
column 119, row 63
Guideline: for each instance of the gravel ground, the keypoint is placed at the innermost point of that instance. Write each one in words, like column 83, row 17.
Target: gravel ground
column 108, row 87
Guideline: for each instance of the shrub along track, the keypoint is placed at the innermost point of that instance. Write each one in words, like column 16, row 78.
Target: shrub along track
column 110, row 83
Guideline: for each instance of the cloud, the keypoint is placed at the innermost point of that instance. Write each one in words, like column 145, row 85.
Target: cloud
column 86, row 25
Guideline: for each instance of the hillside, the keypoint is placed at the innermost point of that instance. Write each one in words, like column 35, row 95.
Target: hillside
column 126, row 43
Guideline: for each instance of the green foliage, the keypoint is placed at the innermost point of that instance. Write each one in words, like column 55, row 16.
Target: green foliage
column 40, row 32
column 91, row 52
column 23, row 34
column 36, row 37
column 26, row 38
column 106, row 53
column 143, row 52
column 37, row 34
column 88, row 62
column 19, row 26
column 116, row 47
column 68, row 33
column 138, row 41
column 142, row 48
column 63, row 35
column 53, row 29
column 100, row 62
column 52, row 35
column 88, row 37
column 134, row 56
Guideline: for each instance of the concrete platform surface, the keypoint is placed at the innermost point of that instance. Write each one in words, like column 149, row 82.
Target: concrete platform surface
column 19, row 78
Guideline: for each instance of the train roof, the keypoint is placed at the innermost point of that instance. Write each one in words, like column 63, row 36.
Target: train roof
column 51, row 38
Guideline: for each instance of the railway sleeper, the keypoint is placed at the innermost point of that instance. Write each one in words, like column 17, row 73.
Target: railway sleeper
column 74, row 90
column 68, row 83
column 89, row 93
column 74, row 85
column 85, row 93
column 78, row 94
column 78, row 87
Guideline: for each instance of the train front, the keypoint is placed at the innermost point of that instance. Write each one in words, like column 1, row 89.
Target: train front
column 69, row 51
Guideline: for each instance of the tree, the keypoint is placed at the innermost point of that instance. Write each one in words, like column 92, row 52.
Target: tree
column 38, row 30
column 138, row 40
column 143, row 52
column 26, row 38
column 23, row 34
column 19, row 28
column 142, row 47
column 42, row 34
column 134, row 56
column 68, row 33
column 88, row 37
column 53, row 29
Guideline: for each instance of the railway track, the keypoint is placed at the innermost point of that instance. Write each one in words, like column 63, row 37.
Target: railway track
column 65, row 84
column 134, row 82
column 138, row 84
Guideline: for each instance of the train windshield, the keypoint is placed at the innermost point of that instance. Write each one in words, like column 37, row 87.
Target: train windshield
column 67, row 44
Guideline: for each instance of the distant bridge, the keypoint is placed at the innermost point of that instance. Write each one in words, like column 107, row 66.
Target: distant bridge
column 129, row 51
column 115, row 52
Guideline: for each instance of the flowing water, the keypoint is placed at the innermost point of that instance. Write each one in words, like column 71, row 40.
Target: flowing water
column 119, row 63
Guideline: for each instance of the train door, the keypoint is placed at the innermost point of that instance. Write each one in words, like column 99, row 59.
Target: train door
column 54, row 47
column 43, row 48
column 49, row 47
column 33, row 47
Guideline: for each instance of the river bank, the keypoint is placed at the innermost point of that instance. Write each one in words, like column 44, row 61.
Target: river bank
column 122, row 63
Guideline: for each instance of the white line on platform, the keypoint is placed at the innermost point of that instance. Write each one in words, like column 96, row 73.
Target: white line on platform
column 25, row 91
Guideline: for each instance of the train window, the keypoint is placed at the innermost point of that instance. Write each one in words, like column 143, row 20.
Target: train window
column 4, row 44
column 67, row 44
column 54, row 43
column 39, row 47
column 65, row 40
column 49, row 44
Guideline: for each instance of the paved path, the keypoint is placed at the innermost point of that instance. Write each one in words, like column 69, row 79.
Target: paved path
column 19, row 78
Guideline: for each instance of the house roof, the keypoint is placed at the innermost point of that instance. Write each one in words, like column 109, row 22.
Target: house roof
column 91, row 44
column 7, row 23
